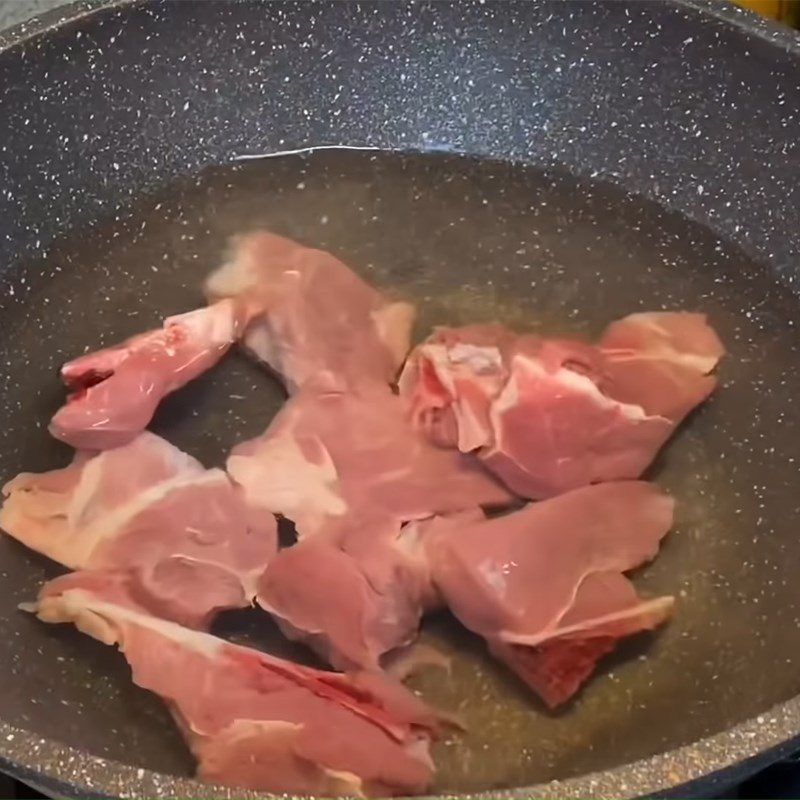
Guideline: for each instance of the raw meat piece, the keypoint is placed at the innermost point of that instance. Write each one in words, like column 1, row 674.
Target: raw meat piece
column 451, row 379
column 309, row 316
column 544, row 585
column 354, row 591
column 192, row 544
column 549, row 415
column 327, row 454
column 253, row 720
column 606, row 609
column 114, row 392
column 553, row 430
column 661, row 361
column 288, row 469
column 348, row 469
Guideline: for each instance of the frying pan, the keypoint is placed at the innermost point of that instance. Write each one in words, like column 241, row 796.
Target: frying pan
column 553, row 165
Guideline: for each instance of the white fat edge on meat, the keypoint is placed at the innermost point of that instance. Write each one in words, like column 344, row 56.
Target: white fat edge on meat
column 482, row 359
column 410, row 543
column 656, row 609
column 472, row 433
column 496, row 578
column 269, row 339
column 70, row 605
column 585, row 385
column 179, row 462
column 409, row 374
column 53, row 610
column 344, row 784
column 174, row 456
column 87, row 538
column 234, row 277
column 248, row 579
column 317, row 640
column 341, row 782
column 608, row 563
column 507, row 399
column 279, row 478
column 287, row 627
column 314, row 639
column 409, row 538
column 393, row 323
column 494, row 575
column 439, row 359
column 701, row 364
column 574, row 381
column 407, row 378
column 666, row 351
column 402, row 663
column 214, row 324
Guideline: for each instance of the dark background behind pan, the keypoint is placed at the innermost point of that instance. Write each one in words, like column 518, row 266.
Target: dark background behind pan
column 692, row 116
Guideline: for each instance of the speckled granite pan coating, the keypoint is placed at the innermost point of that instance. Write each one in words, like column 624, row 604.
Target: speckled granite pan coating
column 658, row 162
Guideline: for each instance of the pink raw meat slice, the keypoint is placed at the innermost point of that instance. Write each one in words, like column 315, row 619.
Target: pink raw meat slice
column 186, row 534
column 548, row 415
column 310, row 316
column 114, row 392
column 253, row 720
column 354, row 591
column 544, row 585
column 661, row 361
column 327, row 454
column 553, row 430
column 451, row 379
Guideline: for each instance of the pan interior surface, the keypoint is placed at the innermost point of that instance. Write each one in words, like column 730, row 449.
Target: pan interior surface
column 467, row 240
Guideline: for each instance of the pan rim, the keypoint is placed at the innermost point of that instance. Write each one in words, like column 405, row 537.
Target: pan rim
column 721, row 759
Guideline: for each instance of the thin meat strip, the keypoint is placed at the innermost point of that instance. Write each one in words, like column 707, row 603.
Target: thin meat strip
column 310, row 316
column 191, row 543
column 354, row 591
column 114, row 392
column 253, row 720
column 330, row 453
column 550, row 415
column 544, row 586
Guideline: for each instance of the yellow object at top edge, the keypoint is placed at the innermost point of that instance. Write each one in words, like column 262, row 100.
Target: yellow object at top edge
column 783, row 10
